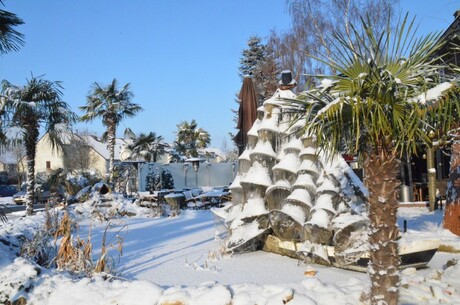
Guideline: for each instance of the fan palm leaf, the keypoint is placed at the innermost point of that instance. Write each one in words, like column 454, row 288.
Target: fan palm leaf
column 112, row 104
column 37, row 105
column 10, row 38
column 384, row 100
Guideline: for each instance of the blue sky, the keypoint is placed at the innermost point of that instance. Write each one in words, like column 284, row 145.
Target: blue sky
column 180, row 56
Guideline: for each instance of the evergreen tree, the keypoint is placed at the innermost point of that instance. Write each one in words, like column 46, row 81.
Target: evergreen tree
column 153, row 180
column 252, row 56
column 167, row 180
column 259, row 64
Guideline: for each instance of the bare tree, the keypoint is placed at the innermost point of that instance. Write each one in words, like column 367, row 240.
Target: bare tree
column 313, row 25
column 78, row 157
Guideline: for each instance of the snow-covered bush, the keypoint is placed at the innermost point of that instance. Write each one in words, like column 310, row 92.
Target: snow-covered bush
column 76, row 183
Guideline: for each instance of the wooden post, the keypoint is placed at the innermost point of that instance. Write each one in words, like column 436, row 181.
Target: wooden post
column 430, row 165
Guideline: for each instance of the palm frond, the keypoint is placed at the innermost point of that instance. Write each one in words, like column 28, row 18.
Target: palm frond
column 378, row 98
column 10, row 38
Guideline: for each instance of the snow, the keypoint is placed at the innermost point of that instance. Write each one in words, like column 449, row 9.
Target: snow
column 246, row 154
column 255, row 128
column 294, row 144
column 179, row 259
column 309, row 166
column 289, row 163
column 264, row 148
column 295, row 211
column 433, row 94
column 257, row 174
column 324, row 201
column 320, row 218
column 270, row 122
column 15, row 133
column 328, row 185
column 308, row 151
column 254, row 207
column 305, row 181
column 301, row 195
column 7, row 156
column 101, row 147
column 326, row 83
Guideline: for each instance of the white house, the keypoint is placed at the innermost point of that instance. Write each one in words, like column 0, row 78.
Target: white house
column 78, row 153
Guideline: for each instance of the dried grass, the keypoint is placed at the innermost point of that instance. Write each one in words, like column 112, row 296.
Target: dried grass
column 76, row 254
column 38, row 249
column 449, row 249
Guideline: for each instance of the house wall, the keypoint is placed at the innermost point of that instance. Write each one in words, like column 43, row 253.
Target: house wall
column 98, row 163
column 56, row 158
column 47, row 157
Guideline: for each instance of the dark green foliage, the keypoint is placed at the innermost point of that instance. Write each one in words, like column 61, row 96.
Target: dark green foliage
column 147, row 146
column 10, row 38
column 252, row 56
column 3, row 177
column 153, row 181
column 167, row 180
column 190, row 138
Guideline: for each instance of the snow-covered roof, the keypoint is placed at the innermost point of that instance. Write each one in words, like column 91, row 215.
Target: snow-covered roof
column 102, row 148
column 216, row 152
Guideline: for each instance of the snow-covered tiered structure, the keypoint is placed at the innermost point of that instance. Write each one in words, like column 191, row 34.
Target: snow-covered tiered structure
column 289, row 197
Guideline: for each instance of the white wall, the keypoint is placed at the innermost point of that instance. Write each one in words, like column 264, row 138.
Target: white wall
column 215, row 174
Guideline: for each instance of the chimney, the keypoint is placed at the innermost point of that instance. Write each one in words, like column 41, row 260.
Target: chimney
column 456, row 14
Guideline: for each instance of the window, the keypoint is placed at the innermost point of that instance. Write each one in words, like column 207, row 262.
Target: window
column 48, row 165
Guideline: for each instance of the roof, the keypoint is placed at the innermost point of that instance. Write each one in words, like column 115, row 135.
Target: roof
column 102, row 148
column 215, row 151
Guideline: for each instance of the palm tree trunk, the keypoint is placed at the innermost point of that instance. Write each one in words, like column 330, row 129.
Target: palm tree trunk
column 452, row 211
column 30, row 143
column 381, row 171
column 111, row 133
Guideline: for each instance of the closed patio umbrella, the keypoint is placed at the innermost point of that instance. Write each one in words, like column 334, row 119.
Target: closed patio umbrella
column 247, row 113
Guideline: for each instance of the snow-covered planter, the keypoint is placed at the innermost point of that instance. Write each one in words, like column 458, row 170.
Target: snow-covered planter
column 300, row 189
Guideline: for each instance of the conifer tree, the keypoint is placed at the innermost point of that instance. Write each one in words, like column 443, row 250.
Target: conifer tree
column 153, row 181
column 167, row 180
column 252, row 56
column 259, row 64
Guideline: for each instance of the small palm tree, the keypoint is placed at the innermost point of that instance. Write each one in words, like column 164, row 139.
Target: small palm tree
column 29, row 109
column 147, row 146
column 10, row 38
column 190, row 138
column 377, row 106
column 112, row 105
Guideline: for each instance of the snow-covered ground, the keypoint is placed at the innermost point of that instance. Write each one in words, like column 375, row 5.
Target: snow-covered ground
column 180, row 260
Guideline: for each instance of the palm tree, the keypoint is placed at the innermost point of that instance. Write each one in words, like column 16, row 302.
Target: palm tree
column 147, row 146
column 377, row 106
column 190, row 138
column 112, row 105
column 35, row 107
column 10, row 39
